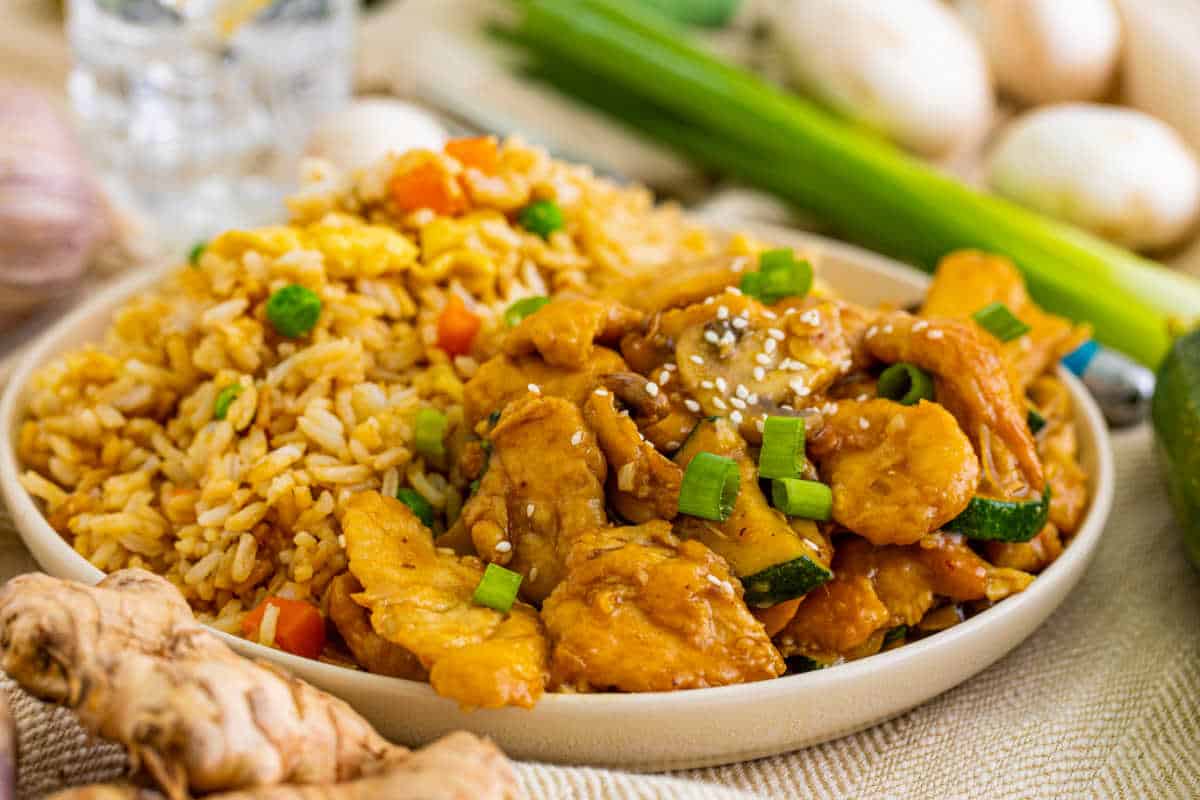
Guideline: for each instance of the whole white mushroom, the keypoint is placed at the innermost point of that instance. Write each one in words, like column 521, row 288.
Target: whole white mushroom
column 907, row 68
column 368, row 129
column 1046, row 51
column 1119, row 173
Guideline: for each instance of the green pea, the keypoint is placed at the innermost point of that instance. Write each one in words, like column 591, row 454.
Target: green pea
column 542, row 217
column 293, row 310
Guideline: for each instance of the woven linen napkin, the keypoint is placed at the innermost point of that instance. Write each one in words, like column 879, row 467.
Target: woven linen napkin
column 1103, row 701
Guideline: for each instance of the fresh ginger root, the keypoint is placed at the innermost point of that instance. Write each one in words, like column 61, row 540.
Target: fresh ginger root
column 128, row 656
column 459, row 767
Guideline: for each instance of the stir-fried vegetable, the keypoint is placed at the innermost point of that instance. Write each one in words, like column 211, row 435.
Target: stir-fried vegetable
column 905, row 383
column 780, row 274
column 710, row 487
column 638, row 66
column 299, row 626
column 428, row 186
column 293, row 310
column 196, row 252
column 456, row 327
column 782, row 453
column 429, row 432
column 523, row 308
column 999, row 321
column 480, row 152
column 417, row 504
column 542, row 217
column 497, row 588
column 800, row 498
column 1002, row 520
column 225, row 399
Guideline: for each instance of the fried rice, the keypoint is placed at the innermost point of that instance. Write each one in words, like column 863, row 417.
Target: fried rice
column 121, row 444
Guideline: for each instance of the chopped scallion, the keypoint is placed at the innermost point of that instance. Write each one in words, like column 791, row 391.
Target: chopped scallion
column 430, row 432
column 800, row 498
column 522, row 309
column 417, row 504
column 999, row 321
column 905, row 383
column 710, row 487
column 225, row 399
column 542, row 217
column 782, row 454
column 780, row 274
column 196, row 252
column 497, row 588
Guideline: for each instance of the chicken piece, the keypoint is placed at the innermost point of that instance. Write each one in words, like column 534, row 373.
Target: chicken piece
column 564, row 332
column 374, row 653
column 455, row 767
column 503, row 379
column 419, row 597
column 544, row 486
column 973, row 384
column 643, row 483
column 897, row 472
column 879, row 588
column 641, row 611
column 968, row 280
column 736, row 355
column 682, row 284
column 1033, row 556
column 1058, row 447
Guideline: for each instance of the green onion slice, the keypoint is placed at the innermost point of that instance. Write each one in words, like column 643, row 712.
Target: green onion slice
column 1036, row 421
column 430, row 432
column 196, row 252
column 522, row 309
column 800, row 498
column 497, row 588
column 710, row 487
column 905, row 383
column 417, row 504
column 293, row 310
column 542, row 217
column 1000, row 322
column 782, row 454
column 780, row 274
column 225, row 399
column 751, row 284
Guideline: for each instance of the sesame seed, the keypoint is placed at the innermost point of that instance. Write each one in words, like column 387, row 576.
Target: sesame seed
column 706, row 384
column 741, row 391
column 863, row 423
column 663, row 377
column 729, row 338
column 737, row 402
column 601, row 392
column 576, row 438
column 776, row 334
column 533, row 387
column 669, row 367
column 744, row 314
column 812, row 317
column 769, row 346
column 786, row 407
column 862, row 398
column 800, row 387
column 652, row 389
column 692, row 405
column 734, row 290
column 711, row 337
column 735, row 417
column 797, row 366
column 529, row 509
column 739, row 323
column 753, row 398
column 871, row 331
column 672, row 445
column 760, row 423
column 719, row 403
column 935, row 334
column 713, row 579
column 763, row 358
column 919, row 326
column 697, row 359
column 708, row 301
column 769, row 314
column 722, row 385
column 759, row 373
column 503, row 547
column 533, row 571
column 722, row 312
column 888, row 328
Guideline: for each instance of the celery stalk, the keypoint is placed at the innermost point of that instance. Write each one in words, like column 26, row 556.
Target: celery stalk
column 732, row 121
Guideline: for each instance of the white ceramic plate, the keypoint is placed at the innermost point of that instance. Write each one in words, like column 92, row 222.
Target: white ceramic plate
column 661, row 730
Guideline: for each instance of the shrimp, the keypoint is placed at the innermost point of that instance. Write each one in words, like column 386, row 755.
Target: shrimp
column 897, row 472
column 973, row 384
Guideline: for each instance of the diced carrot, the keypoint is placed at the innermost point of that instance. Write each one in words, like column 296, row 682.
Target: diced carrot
column 480, row 152
column 300, row 628
column 775, row 618
column 429, row 186
column 456, row 327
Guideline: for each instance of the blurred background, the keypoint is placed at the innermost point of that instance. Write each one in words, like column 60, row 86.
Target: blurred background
column 136, row 128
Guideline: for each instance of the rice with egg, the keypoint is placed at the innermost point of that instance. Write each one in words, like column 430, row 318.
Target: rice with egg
column 121, row 444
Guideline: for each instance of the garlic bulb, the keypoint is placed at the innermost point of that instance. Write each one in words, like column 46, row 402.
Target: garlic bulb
column 52, row 215
column 367, row 130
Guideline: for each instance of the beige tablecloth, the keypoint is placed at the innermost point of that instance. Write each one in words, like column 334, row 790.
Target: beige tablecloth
column 1103, row 701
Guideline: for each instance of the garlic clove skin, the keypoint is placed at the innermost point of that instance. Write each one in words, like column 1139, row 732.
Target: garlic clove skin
column 367, row 130
column 1119, row 173
column 907, row 68
column 52, row 215
column 1047, row 51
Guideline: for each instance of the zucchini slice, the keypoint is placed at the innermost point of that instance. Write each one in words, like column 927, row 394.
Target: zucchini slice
column 1002, row 520
column 776, row 559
